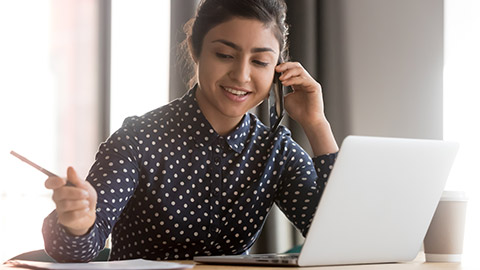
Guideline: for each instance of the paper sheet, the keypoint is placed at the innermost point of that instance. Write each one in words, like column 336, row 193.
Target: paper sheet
column 137, row 264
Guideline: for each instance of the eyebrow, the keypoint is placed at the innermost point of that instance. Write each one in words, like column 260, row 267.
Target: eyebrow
column 236, row 47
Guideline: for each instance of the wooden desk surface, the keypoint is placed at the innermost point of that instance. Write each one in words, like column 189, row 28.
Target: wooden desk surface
column 418, row 264
column 395, row 266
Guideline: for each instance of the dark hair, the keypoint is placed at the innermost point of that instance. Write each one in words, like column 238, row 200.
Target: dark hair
column 211, row 13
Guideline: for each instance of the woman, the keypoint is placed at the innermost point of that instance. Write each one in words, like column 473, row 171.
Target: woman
column 199, row 175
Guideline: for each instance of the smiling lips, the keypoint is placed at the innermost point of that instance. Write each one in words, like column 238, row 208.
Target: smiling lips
column 236, row 92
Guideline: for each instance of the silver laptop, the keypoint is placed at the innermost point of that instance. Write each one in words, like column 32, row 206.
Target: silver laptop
column 376, row 208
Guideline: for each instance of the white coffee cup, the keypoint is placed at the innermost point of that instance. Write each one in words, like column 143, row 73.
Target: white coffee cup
column 444, row 239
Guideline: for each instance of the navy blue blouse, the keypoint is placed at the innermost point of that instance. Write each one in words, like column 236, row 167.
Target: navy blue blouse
column 170, row 187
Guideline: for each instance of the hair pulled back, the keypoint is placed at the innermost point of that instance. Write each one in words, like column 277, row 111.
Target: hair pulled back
column 211, row 13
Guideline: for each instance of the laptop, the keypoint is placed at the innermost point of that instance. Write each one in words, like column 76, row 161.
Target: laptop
column 377, row 206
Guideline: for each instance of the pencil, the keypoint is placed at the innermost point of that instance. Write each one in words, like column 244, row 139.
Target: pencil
column 33, row 164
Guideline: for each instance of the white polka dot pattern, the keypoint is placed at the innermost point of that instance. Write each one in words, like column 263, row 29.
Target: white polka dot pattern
column 170, row 187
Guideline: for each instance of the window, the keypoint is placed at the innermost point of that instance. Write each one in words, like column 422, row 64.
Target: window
column 50, row 95
column 462, row 107
column 140, row 58
column 28, row 106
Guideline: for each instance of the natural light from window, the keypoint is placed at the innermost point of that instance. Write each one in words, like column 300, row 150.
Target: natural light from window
column 28, row 107
column 140, row 58
column 41, row 43
column 462, row 108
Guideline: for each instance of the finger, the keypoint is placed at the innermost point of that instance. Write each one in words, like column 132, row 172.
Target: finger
column 293, row 72
column 73, row 178
column 69, row 193
column 296, row 81
column 288, row 65
column 54, row 182
column 72, row 205
column 72, row 218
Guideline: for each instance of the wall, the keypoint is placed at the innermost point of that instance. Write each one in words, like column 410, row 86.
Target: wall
column 386, row 59
column 380, row 63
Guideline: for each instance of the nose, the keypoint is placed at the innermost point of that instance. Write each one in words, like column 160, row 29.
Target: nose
column 240, row 71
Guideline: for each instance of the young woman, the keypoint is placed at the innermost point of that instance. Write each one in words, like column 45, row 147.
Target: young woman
column 200, row 175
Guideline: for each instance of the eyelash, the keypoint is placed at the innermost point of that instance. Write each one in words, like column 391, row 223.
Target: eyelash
column 223, row 56
column 226, row 56
column 260, row 63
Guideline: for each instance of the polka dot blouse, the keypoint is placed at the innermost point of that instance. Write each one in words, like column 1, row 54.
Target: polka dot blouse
column 170, row 187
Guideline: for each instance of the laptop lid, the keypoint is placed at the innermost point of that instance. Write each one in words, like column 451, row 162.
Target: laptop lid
column 377, row 206
column 379, row 201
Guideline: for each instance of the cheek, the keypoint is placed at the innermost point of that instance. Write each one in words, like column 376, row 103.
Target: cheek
column 206, row 74
column 264, row 83
column 207, row 69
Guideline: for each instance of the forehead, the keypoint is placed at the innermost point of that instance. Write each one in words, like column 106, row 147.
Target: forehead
column 246, row 33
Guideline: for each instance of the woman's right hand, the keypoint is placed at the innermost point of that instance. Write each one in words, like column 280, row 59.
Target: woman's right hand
column 75, row 205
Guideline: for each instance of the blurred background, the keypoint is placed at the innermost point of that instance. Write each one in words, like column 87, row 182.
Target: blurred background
column 72, row 70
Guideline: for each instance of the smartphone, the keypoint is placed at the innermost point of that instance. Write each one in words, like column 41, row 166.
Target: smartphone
column 275, row 101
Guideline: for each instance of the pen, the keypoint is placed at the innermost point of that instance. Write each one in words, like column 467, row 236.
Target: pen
column 36, row 166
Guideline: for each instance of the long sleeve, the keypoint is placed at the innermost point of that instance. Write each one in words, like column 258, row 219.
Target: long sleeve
column 302, row 185
column 114, row 176
column 170, row 188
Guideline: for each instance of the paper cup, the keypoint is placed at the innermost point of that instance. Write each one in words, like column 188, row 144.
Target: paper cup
column 444, row 239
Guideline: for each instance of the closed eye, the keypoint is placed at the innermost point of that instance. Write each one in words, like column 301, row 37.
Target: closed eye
column 260, row 63
column 223, row 56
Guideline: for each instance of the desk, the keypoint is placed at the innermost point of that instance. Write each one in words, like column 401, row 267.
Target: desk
column 396, row 266
column 417, row 264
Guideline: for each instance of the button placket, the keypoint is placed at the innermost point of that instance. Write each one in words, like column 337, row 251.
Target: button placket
column 216, row 170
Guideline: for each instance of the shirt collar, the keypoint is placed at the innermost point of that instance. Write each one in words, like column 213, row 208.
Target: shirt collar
column 203, row 134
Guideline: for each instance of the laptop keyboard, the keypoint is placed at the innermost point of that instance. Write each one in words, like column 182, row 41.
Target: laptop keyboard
column 279, row 258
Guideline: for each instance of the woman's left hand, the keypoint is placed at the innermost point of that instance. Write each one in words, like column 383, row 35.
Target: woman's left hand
column 305, row 103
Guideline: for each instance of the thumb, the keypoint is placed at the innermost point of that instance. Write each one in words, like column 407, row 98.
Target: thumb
column 73, row 178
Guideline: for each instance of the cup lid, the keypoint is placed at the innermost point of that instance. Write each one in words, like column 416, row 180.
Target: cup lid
column 454, row 195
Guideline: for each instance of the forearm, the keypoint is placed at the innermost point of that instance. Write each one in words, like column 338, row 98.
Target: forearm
column 321, row 137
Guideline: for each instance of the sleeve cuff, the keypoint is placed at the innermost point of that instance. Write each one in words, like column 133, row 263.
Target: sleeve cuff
column 65, row 247
column 324, row 164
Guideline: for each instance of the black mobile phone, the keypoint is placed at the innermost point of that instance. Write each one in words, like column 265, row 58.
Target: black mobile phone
column 275, row 103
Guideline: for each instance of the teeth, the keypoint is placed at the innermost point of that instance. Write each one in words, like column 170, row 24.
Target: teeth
column 236, row 92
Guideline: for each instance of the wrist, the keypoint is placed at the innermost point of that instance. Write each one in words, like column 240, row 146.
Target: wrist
column 315, row 124
column 320, row 136
column 77, row 232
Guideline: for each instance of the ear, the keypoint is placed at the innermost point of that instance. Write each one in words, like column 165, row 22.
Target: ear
column 191, row 50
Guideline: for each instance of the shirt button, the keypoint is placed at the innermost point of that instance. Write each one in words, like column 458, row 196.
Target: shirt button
column 216, row 160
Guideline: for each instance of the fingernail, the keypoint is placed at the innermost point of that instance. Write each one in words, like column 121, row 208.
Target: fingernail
column 85, row 193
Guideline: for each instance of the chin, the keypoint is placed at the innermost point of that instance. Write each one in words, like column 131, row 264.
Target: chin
column 235, row 114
